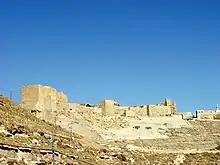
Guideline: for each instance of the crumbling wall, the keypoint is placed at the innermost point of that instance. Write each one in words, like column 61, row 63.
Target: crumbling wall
column 185, row 115
column 37, row 97
column 73, row 106
column 30, row 97
column 171, row 104
column 166, row 108
column 158, row 110
column 47, row 100
column 122, row 108
column 139, row 110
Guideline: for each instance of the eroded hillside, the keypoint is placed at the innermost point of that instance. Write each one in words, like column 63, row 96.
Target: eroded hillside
column 25, row 139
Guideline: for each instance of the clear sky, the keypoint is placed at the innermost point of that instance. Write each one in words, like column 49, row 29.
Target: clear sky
column 135, row 52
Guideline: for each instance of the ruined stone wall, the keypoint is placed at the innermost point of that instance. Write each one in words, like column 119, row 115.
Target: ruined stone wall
column 171, row 104
column 185, row 115
column 108, row 107
column 30, row 97
column 158, row 110
column 139, row 110
column 43, row 98
column 166, row 108
column 146, row 110
column 73, row 106
column 122, row 108
column 47, row 100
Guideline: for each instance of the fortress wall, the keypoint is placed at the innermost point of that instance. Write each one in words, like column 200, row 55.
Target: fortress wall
column 165, row 109
column 108, row 107
column 30, row 96
column 48, row 91
column 73, row 106
column 122, row 108
column 139, row 110
column 43, row 97
column 62, row 101
column 158, row 110
column 83, row 108
column 60, row 96
column 97, row 110
column 185, row 115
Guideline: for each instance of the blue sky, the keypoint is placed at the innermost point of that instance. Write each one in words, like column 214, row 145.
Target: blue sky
column 135, row 52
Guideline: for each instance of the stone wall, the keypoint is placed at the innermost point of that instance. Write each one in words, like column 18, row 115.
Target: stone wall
column 166, row 108
column 73, row 106
column 158, row 110
column 47, row 99
column 108, row 107
column 43, row 98
column 206, row 114
column 139, row 110
column 185, row 115
column 30, row 97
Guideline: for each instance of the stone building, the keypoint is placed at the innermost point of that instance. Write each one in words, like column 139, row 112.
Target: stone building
column 206, row 114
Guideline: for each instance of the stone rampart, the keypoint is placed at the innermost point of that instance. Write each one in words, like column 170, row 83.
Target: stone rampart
column 185, row 115
column 108, row 107
column 158, row 110
column 37, row 97
column 46, row 99
column 166, row 108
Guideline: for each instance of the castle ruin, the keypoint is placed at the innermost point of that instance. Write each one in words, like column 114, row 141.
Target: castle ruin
column 45, row 99
column 109, row 119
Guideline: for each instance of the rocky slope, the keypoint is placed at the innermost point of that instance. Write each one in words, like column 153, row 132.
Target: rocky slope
column 25, row 139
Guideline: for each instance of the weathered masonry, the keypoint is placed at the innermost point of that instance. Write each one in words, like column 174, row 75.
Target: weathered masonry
column 46, row 100
column 37, row 97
